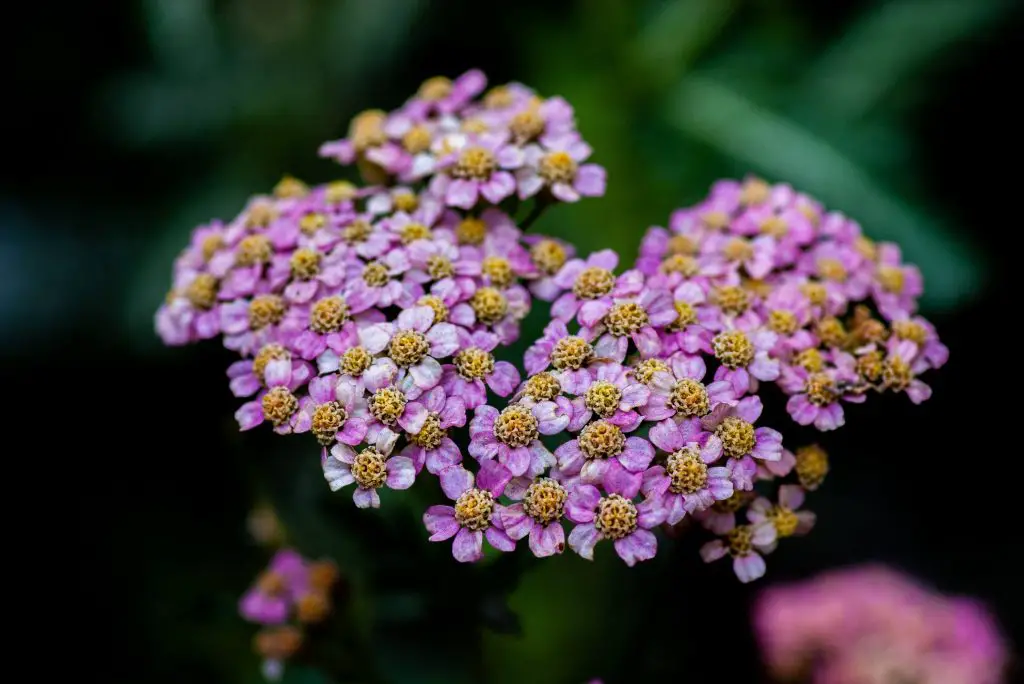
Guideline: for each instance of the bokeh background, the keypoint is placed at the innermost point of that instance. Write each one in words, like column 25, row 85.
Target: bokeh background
column 131, row 122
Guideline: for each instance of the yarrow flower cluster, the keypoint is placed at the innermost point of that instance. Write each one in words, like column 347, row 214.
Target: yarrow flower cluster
column 872, row 625
column 290, row 595
column 369, row 316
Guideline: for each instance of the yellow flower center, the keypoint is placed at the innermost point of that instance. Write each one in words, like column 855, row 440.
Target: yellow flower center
column 253, row 249
column 557, row 167
column 387, row 404
column 811, row 466
column 733, row 348
column 542, row 387
column 473, row 363
column 202, row 291
column 737, row 437
column 603, row 398
column 688, row 472
column 355, row 361
column 601, row 439
column 571, row 353
column 689, row 398
column 616, row 517
column 473, row 509
column 499, row 270
column 305, row 263
column 548, row 256
column 370, row 469
column 327, row 419
column 593, row 282
column 265, row 310
column 328, row 315
column 475, row 163
column 625, row 319
column 489, row 305
column 544, row 501
column 279, row 404
column 408, row 348
column 516, row 426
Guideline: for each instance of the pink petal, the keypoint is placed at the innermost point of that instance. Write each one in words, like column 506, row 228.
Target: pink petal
column 462, row 193
column 582, row 501
column 749, row 568
column 504, row 379
column 639, row 546
column 547, row 540
column 493, row 477
column 666, row 436
column 515, row 521
column 426, row 374
column 366, row 498
column 455, row 480
column 468, row 546
column 440, row 522
column 401, row 472
column 582, row 540
column 499, row 540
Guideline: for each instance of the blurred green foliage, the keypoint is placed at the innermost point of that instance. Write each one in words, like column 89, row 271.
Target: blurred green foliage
column 672, row 95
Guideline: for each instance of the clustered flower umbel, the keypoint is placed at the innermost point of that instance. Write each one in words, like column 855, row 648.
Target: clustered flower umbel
column 872, row 625
column 369, row 317
column 292, row 594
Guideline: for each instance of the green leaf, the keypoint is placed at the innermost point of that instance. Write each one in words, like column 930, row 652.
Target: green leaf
column 886, row 46
column 677, row 34
column 783, row 151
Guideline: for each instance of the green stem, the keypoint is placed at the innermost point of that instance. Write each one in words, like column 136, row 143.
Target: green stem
column 538, row 208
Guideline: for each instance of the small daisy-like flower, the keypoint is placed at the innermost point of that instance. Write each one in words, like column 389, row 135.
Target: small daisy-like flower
column 495, row 309
column 548, row 256
column 839, row 266
column 277, row 403
column 247, row 375
column 691, row 329
column 603, row 454
column 440, row 95
column 922, row 333
column 336, row 410
column 756, row 257
column 478, row 167
column 538, row 516
column 415, row 343
column 743, row 543
column 249, row 324
column 557, row 164
column 744, row 358
column 440, row 263
column 476, row 513
column 787, row 313
column 677, row 390
column 741, row 441
column 473, row 366
column 784, row 516
column 612, row 395
column 613, row 517
column 359, row 236
column 376, row 283
column 271, row 599
column 569, row 355
column 370, row 469
column 390, row 406
column 512, row 436
column 903, row 362
column 686, row 483
column 895, row 286
column 591, row 282
column 815, row 396
column 629, row 318
column 432, row 446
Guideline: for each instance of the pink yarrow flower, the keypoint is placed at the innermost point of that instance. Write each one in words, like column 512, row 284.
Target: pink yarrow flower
column 613, row 517
column 686, row 483
column 511, row 436
column 557, row 164
column 741, row 441
column 370, row 469
column 432, row 446
column 270, row 600
column 473, row 366
column 476, row 513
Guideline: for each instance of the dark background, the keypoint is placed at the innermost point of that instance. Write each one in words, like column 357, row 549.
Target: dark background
column 130, row 123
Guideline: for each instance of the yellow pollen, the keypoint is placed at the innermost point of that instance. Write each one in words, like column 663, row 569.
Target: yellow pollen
column 734, row 503
column 866, row 248
column 733, row 348
column 475, row 163
column 473, row 509
column 202, row 291
column 436, row 88
column 311, row 223
column 439, row 267
column 683, row 264
column 355, row 361
column 811, row 466
column 820, row 389
column 277, row 643
column 269, row 352
column 689, row 474
column 871, row 365
column 499, row 270
column 473, row 363
column 832, row 269
column 408, row 348
column 526, row 125
column 548, row 256
column 340, row 191
column 407, row 202
column 357, row 231
column 868, row 330
column 278, row 405
column 542, row 387
column 327, row 419
column 312, row 608
column 815, row 292
column 571, row 353
column 738, row 249
column 211, row 245
column 417, row 139
column 593, row 282
column 370, row 469
column 831, row 331
column 740, row 540
column 645, row 370
column 253, row 249
column 616, row 517
column 387, row 404
column 897, row 374
column 260, row 215
column 775, row 226
column 625, row 319
column 754, row 191
column 910, row 330
column 544, row 500
column 305, row 263
column 716, row 220
column 328, row 315
column 557, row 167
column 367, row 130
column 603, row 398
column 375, row 274
column 414, row 231
column 498, row 97
column 784, row 520
column 437, row 305
column 431, row 434
column 685, row 315
column 810, row 360
column 682, row 245
column 783, row 322
column 731, row 299
column 737, row 436
column 516, row 426
column 810, row 213
column 471, row 231
column 322, row 575
column 265, row 310
column 689, row 398
column 601, row 439
column 489, row 305
column 271, row 583
column 290, row 187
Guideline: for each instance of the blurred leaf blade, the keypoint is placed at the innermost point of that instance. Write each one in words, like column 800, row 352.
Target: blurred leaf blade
column 779, row 148
column 678, row 33
column 887, row 46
